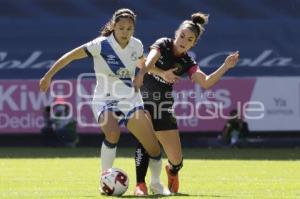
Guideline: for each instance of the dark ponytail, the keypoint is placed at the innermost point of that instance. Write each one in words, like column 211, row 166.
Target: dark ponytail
column 121, row 13
column 200, row 18
column 196, row 24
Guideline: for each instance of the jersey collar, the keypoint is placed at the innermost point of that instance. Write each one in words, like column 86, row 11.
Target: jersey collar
column 113, row 40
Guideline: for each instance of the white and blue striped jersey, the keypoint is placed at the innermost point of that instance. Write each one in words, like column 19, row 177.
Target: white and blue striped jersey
column 114, row 67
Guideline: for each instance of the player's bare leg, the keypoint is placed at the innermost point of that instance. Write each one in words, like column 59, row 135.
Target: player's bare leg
column 170, row 141
column 109, row 125
column 141, row 127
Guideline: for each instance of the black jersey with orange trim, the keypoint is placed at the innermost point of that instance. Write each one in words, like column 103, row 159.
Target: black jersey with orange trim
column 167, row 61
column 157, row 94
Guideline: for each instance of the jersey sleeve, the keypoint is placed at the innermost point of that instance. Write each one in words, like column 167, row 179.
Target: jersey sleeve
column 159, row 44
column 192, row 70
column 192, row 66
column 93, row 48
column 140, row 49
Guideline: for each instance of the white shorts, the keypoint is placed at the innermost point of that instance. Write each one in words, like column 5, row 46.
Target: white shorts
column 123, row 108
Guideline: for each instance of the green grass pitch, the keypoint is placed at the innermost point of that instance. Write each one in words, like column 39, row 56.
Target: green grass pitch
column 207, row 173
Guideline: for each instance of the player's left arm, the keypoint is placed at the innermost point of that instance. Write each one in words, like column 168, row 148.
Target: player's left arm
column 207, row 81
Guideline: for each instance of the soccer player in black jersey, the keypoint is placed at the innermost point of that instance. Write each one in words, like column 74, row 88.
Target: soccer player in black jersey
column 168, row 60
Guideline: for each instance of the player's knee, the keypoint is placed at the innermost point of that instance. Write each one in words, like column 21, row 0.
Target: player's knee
column 175, row 159
column 155, row 156
column 154, row 151
column 112, row 137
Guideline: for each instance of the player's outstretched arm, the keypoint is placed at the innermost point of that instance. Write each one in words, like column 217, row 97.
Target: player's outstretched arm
column 75, row 54
column 206, row 81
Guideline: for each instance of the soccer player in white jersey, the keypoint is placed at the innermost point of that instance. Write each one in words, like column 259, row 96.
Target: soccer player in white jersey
column 116, row 53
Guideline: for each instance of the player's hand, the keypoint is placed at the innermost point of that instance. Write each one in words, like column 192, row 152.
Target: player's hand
column 45, row 83
column 169, row 76
column 138, row 81
column 232, row 60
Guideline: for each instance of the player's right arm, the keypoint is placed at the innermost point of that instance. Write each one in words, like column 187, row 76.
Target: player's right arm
column 75, row 54
column 167, row 75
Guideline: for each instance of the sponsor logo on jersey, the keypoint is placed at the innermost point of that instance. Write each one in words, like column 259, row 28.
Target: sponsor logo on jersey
column 160, row 79
column 133, row 56
column 121, row 73
column 179, row 68
column 111, row 59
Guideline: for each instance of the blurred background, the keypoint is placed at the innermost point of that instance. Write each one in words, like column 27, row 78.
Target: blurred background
column 264, row 85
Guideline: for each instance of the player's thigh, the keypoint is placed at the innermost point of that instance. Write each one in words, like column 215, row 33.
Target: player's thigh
column 110, row 126
column 148, row 116
column 170, row 141
column 141, row 127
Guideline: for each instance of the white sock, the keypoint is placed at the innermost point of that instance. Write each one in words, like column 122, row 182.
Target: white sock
column 108, row 156
column 155, row 168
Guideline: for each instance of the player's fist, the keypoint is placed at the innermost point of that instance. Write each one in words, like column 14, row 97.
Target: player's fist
column 232, row 60
column 169, row 76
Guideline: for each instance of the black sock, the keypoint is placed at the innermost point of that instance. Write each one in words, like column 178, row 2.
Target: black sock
column 141, row 163
column 175, row 168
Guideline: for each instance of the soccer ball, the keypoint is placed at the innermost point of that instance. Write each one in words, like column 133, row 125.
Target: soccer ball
column 114, row 182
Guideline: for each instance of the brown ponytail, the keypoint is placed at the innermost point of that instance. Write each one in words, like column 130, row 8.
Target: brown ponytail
column 107, row 29
column 121, row 13
column 196, row 24
column 200, row 18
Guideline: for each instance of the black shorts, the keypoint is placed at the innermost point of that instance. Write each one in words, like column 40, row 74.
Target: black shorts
column 160, row 107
